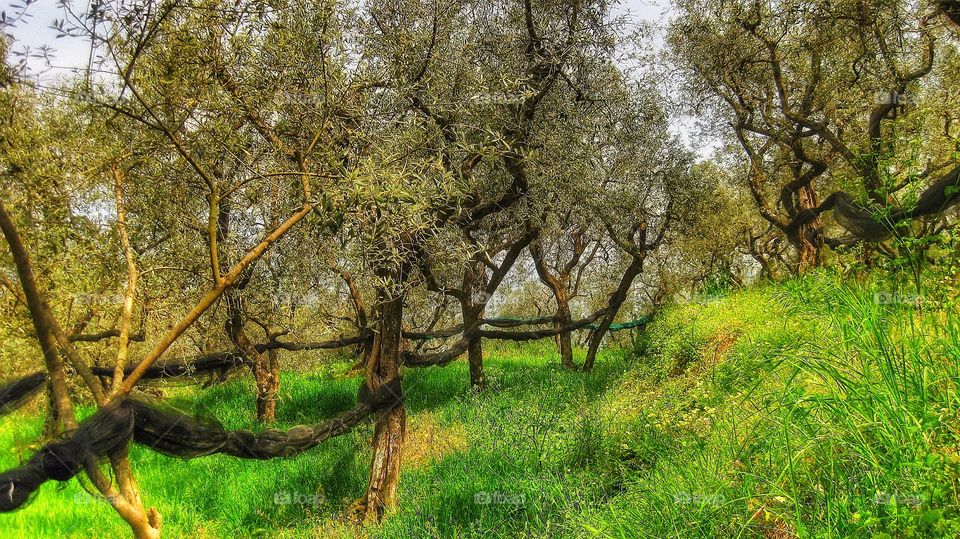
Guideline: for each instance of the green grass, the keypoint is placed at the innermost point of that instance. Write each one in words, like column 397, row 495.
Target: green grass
column 806, row 409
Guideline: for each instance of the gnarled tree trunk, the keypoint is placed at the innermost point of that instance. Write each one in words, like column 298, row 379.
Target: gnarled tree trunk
column 383, row 367
column 809, row 237
column 613, row 307
column 267, row 395
column 263, row 365
column 563, row 318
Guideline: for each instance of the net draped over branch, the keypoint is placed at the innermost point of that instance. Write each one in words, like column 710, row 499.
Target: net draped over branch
column 176, row 434
column 863, row 224
column 178, row 369
column 455, row 350
column 17, row 393
column 542, row 333
column 499, row 322
column 509, row 322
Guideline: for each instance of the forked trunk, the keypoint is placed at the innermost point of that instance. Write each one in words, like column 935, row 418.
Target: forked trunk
column 266, row 375
column 383, row 367
column 263, row 366
column 559, row 285
column 144, row 524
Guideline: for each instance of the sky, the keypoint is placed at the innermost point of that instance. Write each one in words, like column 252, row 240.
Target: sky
column 644, row 9
column 34, row 31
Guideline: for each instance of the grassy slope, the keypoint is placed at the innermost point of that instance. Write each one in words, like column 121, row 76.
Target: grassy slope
column 803, row 408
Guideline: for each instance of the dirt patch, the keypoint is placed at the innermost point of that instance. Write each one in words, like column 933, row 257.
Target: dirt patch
column 427, row 441
column 720, row 344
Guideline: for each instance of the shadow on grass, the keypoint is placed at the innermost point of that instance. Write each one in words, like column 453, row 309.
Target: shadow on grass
column 224, row 496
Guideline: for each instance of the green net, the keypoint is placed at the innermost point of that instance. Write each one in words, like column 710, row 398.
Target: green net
column 511, row 321
column 642, row 321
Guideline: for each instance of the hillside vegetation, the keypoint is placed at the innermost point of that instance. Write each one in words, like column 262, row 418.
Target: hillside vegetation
column 810, row 408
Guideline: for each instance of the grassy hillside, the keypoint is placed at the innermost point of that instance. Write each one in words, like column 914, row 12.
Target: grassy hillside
column 810, row 408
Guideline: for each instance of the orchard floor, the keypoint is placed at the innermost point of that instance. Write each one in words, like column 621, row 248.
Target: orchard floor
column 806, row 409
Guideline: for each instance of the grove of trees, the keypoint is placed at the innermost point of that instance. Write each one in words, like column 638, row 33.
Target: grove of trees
column 229, row 185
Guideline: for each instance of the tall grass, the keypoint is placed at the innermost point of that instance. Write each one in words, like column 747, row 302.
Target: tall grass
column 831, row 414
column 876, row 411
column 815, row 408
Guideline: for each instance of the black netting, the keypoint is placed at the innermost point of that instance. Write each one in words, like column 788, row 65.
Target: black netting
column 177, row 434
column 858, row 221
column 183, row 368
column 104, row 432
column 17, row 393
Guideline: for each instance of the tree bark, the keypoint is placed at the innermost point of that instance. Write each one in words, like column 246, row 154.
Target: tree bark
column 808, row 240
column 53, row 423
column 478, row 379
column 383, row 367
column 564, row 339
column 613, row 307
column 42, row 316
column 474, row 347
column 268, row 390
column 263, row 365
column 144, row 522
column 130, row 294
column 266, row 374
column 360, row 311
column 473, row 305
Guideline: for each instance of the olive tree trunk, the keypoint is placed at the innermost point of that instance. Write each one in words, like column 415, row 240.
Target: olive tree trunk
column 383, row 367
column 613, row 307
column 808, row 239
column 563, row 319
